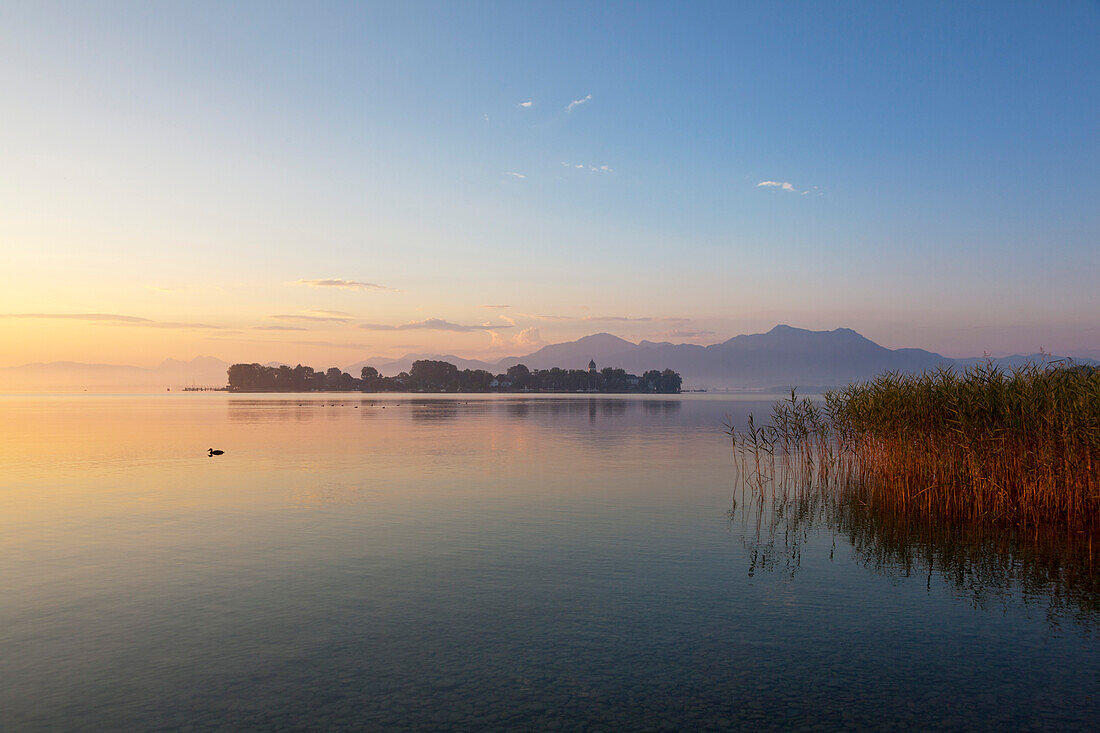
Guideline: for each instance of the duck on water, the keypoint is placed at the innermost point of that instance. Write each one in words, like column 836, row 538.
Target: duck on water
column 216, row 452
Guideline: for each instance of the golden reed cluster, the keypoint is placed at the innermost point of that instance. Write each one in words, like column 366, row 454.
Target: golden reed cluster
column 1019, row 447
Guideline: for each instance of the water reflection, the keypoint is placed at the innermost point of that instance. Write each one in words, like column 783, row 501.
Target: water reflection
column 986, row 566
column 538, row 563
column 447, row 407
column 433, row 411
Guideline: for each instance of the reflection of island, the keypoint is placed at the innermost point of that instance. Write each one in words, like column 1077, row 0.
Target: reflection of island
column 442, row 376
column 436, row 408
column 985, row 565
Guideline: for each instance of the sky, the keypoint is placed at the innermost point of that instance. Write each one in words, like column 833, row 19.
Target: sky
column 325, row 182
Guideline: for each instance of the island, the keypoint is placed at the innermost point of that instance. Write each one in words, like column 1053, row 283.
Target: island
column 441, row 376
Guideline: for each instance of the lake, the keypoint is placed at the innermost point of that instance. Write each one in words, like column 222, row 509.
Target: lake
column 481, row 562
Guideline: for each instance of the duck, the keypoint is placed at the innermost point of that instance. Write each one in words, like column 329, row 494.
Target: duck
column 216, row 452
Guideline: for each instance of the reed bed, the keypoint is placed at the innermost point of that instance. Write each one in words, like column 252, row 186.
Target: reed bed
column 1019, row 447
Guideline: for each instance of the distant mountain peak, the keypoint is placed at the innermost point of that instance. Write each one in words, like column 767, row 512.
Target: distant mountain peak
column 198, row 361
column 602, row 338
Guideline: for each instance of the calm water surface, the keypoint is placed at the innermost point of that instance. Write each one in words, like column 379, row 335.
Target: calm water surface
column 487, row 563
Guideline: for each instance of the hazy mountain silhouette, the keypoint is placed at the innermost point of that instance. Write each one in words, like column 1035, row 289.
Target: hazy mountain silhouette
column 605, row 349
column 784, row 356
column 203, row 371
column 393, row 367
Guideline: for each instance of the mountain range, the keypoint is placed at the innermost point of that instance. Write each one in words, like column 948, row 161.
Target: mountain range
column 203, row 371
column 782, row 357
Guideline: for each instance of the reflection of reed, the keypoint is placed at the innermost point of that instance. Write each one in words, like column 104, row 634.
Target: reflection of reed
column 982, row 563
column 779, row 513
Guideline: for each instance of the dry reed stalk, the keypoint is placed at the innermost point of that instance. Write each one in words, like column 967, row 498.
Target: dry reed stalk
column 1019, row 447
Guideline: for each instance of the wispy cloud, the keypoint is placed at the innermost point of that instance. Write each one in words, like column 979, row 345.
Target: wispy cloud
column 114, row 319
column 687, row 334
column 339, row 283
column 609, row 319
column 334, row 344
column 183, row 325
column 278, row 328
column 577, row 103
column 322, row 312
column 590, row 168
column 784, row 185
column 517, row 175
column 433, row 324
column 496, row 306
column 526, row 105
column 308, row 318
column 80, row 317
column 628, row 319
column 281, row 342
column 540, row 317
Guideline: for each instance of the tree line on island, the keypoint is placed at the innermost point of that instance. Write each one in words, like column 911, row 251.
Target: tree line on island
column 441, row 376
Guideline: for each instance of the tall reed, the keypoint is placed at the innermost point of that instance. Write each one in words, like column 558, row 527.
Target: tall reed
column 1020, row 447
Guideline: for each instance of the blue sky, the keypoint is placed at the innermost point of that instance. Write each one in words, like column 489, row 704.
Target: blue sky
column 198, row 163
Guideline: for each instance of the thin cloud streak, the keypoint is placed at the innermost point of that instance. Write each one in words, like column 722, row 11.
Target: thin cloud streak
column 184, row 325
column 334, row 344
column 113, row 318
column 311, row 319
column 626, row 319
column 784, row 185
column 322, row 312
column 80, row 317
column 334, row 282
column 590, row 168
column 613, row 319
column 687, row 334
column 577, row 103
column 433, row 324
column 548, row 318
column 282, row 342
